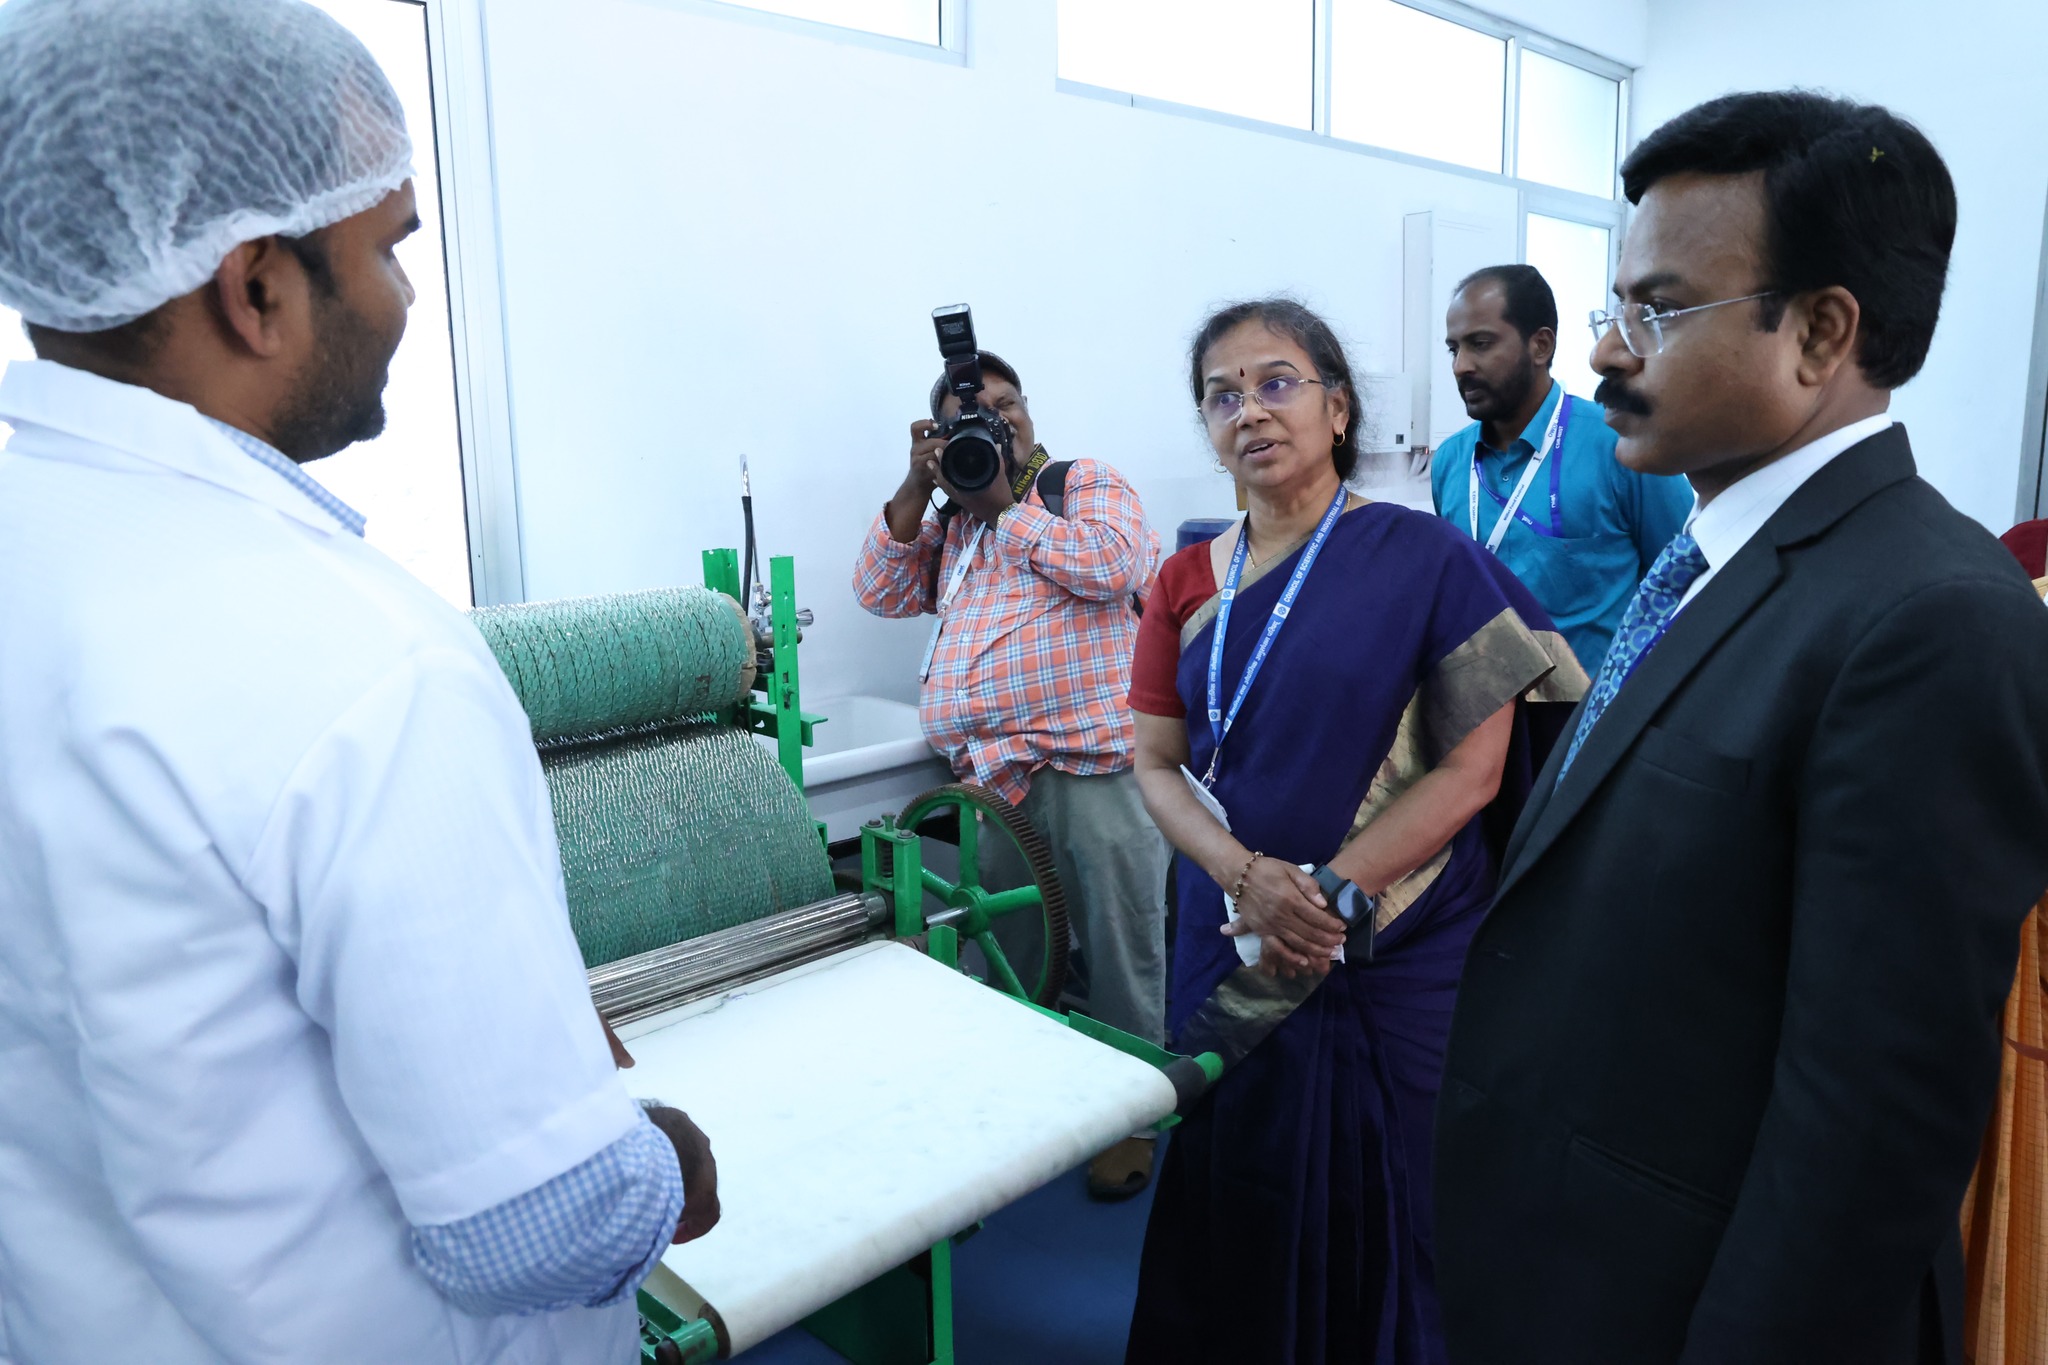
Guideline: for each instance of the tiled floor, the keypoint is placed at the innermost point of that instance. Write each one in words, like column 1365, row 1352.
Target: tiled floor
column 1049, row 1281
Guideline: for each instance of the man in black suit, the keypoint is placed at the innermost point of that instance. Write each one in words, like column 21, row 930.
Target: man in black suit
column 1726, row 1044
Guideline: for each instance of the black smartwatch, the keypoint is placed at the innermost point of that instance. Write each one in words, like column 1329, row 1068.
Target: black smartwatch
column 1348, row 901
column 1327, row 878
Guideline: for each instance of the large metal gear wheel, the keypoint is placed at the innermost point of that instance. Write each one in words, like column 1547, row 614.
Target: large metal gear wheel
column 1019, row 933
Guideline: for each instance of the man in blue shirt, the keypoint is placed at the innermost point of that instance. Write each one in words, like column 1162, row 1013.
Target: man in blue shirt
column 1536, row 473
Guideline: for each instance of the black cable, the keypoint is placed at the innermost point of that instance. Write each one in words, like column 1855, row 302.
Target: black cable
column 749, row 576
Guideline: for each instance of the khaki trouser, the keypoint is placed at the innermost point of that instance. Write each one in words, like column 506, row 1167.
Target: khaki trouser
column 1112, row 863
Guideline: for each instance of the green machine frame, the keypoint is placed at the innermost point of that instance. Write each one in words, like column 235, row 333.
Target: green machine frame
column 773, row 710
column 904, row 1317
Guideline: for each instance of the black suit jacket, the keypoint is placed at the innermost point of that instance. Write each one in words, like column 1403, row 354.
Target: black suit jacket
column 1728, row 1039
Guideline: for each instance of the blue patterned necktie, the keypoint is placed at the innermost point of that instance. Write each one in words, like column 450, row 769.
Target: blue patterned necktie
column 1642, row 626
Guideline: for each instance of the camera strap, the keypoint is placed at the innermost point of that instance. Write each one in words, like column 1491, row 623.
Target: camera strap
column 1020, row 487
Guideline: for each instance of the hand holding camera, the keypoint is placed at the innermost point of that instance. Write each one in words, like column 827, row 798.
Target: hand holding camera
column 968, row 453
column 905, row 513
column 977, row 443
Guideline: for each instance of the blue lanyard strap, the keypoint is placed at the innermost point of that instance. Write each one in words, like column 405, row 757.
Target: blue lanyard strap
column 1219, row 722
column 1553, row 450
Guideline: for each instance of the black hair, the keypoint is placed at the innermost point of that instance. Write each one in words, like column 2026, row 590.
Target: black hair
column 1293, row 319
column 311, row 253
column 125, row 350
column 131, row 347
column 1528, row 304
column 1854, row 196
column 991, row 365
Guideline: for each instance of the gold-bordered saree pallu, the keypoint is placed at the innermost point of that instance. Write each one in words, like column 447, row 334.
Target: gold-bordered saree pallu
column 1406, row 637
column 1291, row 1219
column 2005, row 1213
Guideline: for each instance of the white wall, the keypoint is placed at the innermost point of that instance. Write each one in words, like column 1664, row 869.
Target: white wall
column 1968, row 73
column 720, row 236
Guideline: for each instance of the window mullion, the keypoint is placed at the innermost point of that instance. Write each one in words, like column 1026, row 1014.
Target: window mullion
column 1622, row 90
column 1511, row 109
column 1324, row 22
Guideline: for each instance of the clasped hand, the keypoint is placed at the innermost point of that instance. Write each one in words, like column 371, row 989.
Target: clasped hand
column 1287, row 910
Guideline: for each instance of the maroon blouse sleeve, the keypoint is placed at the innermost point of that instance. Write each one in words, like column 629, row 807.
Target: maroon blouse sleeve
column 1185, row 582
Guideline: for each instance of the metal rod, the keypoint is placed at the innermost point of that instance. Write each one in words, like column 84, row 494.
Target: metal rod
column 648, row 983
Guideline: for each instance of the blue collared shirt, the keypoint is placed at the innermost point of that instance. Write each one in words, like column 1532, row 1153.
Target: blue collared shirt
column 288, row 469
column 1615, row 521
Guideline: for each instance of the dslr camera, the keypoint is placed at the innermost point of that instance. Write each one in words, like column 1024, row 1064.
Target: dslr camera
column 978, row 439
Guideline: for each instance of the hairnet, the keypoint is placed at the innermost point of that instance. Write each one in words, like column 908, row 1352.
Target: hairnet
column 143, row 140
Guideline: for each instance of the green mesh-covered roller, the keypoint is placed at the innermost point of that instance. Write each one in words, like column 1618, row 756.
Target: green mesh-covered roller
column 582, row 665
column 669, row 835
column 672, row 824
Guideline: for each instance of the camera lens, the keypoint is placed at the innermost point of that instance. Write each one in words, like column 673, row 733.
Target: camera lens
column 971, row 460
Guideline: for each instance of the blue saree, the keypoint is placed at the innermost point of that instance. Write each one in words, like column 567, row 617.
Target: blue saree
column 1291, row 1221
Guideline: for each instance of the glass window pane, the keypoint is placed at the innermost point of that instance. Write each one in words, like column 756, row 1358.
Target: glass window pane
column 1253, row 60
column 1565, row 133
column 1573, row 259
column 916, row 20
column 1412, row 82
column 408, row 482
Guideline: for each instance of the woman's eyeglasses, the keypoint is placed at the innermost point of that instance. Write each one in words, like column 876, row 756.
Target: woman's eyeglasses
column 1225, row 406
column 1642, row 327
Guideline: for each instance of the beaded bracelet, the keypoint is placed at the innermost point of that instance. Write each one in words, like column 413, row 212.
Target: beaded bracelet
column 1238, row 894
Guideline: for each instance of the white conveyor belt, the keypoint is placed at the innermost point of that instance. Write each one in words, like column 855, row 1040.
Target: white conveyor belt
column 862, row 1109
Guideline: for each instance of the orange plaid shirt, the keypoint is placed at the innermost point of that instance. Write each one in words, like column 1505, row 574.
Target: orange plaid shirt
column 1034, row 651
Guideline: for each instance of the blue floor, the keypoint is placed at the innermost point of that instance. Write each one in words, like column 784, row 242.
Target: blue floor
column 1051, row 1278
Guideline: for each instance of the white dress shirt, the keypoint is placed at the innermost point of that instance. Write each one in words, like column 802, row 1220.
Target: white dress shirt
column 286, row 966
column 1722, row 527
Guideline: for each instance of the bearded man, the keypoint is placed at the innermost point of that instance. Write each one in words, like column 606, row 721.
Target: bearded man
column 1534, row 477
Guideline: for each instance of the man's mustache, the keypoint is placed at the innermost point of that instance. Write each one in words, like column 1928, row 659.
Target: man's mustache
column 1611, row 395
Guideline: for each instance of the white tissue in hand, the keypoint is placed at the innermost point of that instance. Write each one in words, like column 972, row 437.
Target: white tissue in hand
column 1248, row 945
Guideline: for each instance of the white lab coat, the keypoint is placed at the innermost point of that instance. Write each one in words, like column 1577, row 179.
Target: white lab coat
column 284, row 960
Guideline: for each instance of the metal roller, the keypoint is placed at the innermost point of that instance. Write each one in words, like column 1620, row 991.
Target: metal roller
column 648, row 983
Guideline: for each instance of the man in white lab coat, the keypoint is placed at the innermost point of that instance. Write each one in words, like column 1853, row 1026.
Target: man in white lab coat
column 297, row 1054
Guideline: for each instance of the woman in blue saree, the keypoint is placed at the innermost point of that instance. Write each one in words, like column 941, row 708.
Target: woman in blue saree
column 1367, row 771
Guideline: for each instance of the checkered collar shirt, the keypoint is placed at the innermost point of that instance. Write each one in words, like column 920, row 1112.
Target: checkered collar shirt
column 286, row 468
column 1033, row 658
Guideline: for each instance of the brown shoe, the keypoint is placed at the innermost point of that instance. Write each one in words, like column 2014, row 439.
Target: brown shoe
column 1123, row 1170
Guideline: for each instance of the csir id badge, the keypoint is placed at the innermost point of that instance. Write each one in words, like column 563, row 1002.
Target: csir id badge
column 1206, row 797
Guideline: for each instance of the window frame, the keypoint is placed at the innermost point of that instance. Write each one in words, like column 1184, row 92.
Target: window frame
column 1531, row 196
column 1609, row 212
column 2031, row 500
column 950, row 49
column 458, row 72
column 458, row 79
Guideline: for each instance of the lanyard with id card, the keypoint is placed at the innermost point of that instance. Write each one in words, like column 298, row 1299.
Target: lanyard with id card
column 1220, row 721
column 1019, row 487
column 968, row 552
column 1549, row 450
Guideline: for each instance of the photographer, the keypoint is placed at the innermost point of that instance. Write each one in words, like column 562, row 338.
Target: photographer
column 1025, row 681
